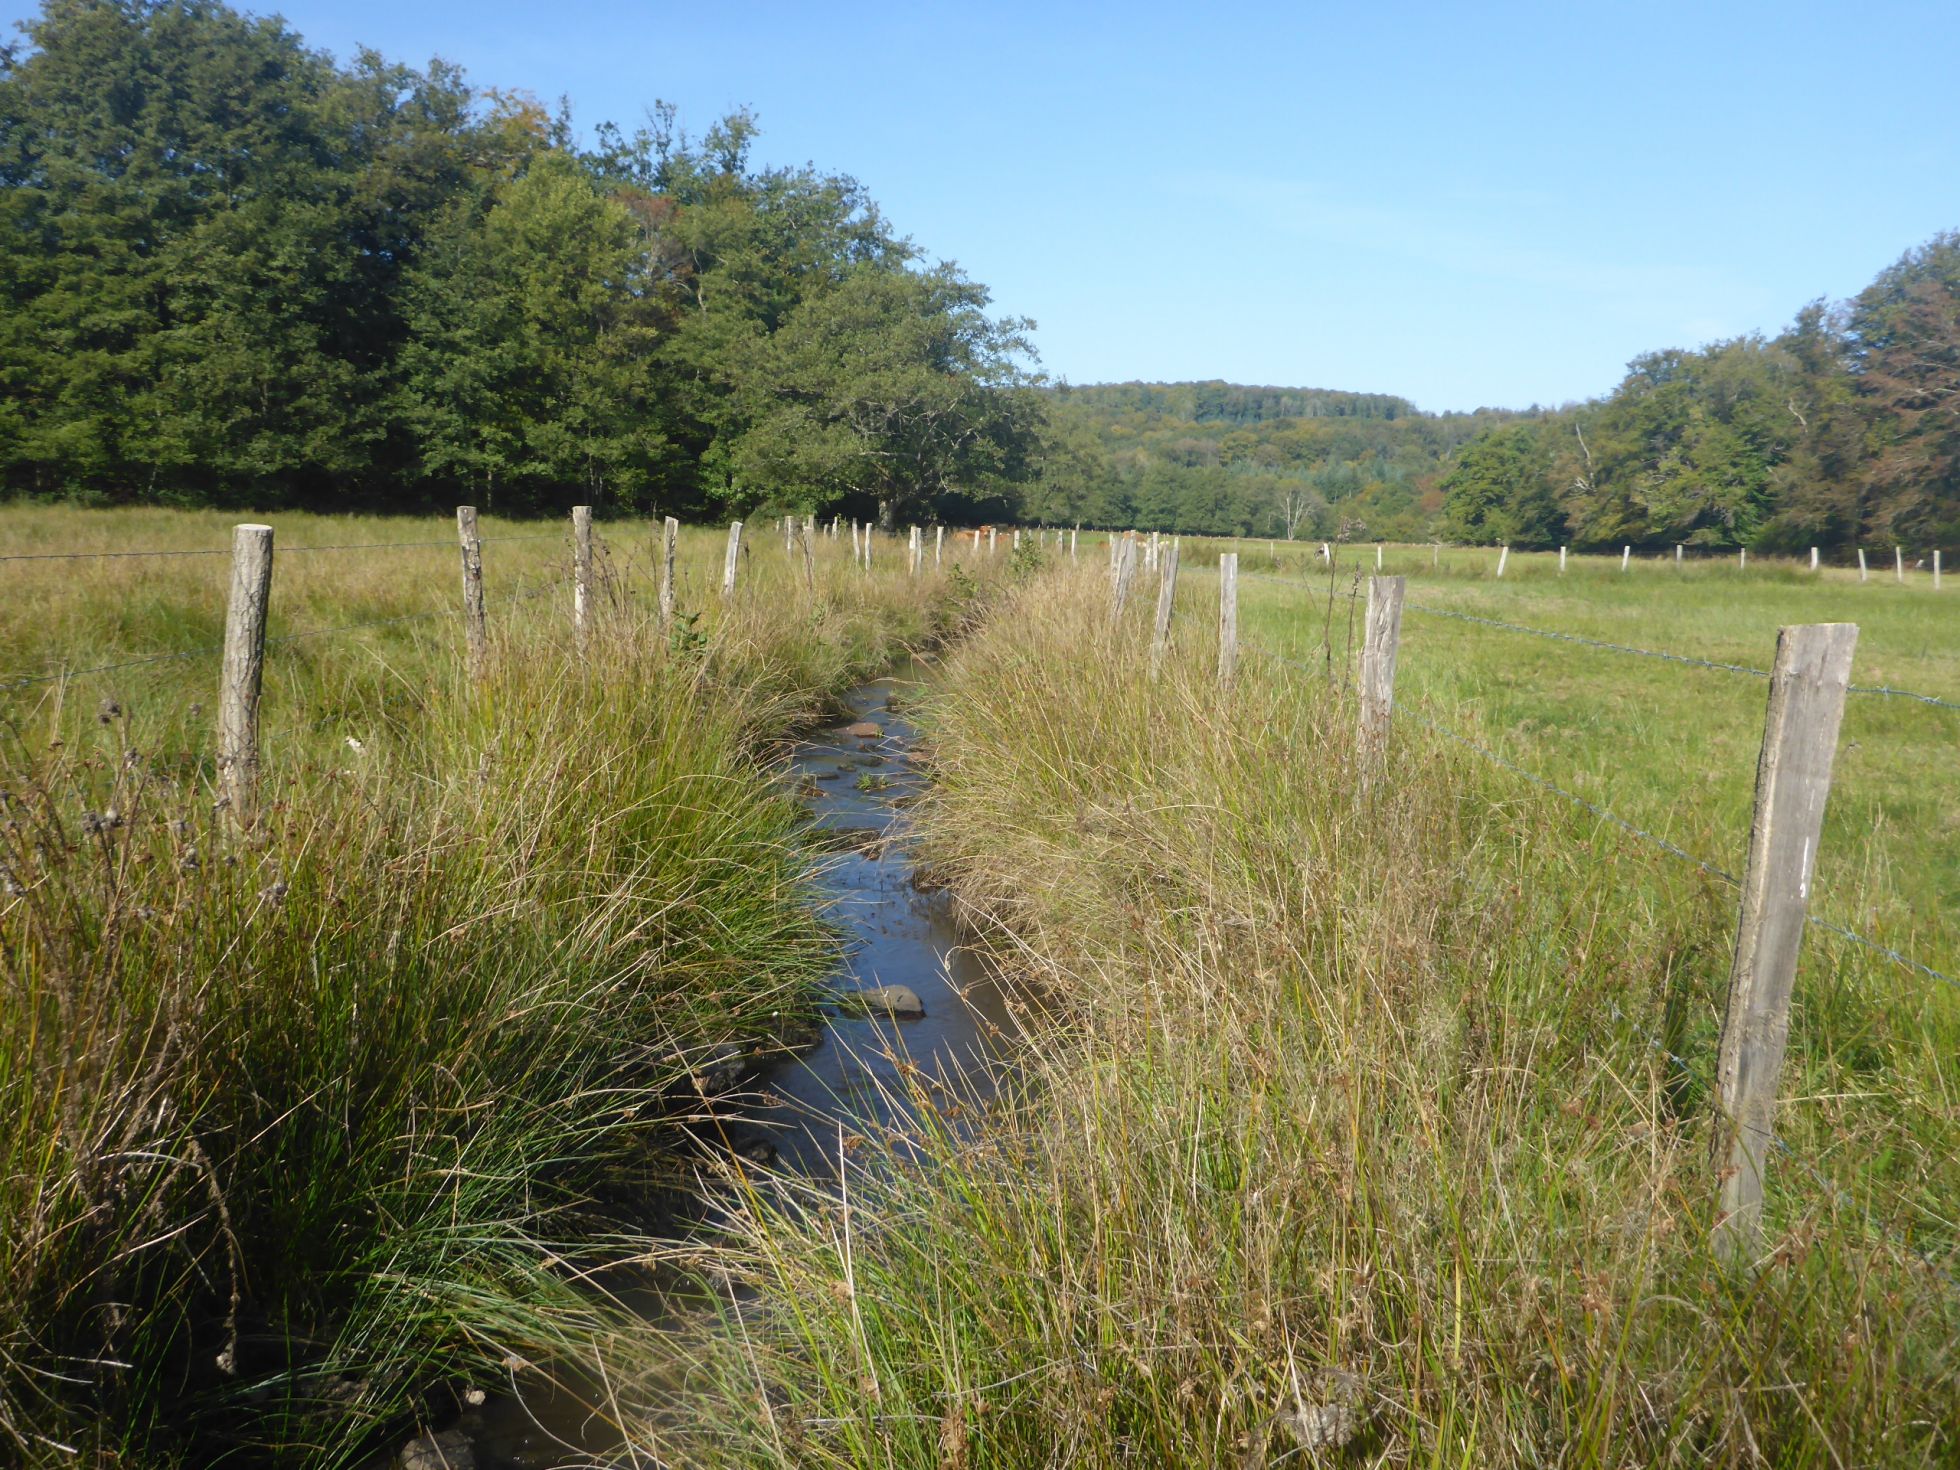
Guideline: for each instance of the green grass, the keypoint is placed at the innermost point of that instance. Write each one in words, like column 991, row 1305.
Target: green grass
column 1339, row 1117
column 301, row 1125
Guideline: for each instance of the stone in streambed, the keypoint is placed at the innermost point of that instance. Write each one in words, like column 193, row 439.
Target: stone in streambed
column 865, row 730
column 449, row 1450
column 900, row 1002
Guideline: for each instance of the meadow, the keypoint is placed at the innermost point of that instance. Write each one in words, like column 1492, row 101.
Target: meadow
column 310, row 1127
column 1365, row 1128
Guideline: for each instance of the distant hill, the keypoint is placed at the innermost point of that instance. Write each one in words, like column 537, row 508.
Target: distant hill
column 1218, row 402
column 1236, row 459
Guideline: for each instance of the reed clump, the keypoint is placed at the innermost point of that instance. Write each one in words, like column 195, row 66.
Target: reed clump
column 1347, row 1130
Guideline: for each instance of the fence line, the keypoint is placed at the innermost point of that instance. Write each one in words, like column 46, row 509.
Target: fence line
column 1676, row 658
column 1865, row 941
column 283, row 551
column 106, row 555
column 1879, row 690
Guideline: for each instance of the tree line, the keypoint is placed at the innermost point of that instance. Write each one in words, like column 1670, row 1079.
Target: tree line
column 1843, row 429
column 236, row 272
column 1224, row 459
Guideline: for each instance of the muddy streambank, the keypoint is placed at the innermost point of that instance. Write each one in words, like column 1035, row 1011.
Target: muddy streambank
column 907, row 992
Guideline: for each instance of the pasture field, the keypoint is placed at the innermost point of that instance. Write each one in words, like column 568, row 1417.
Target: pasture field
column 1370, row 1129
column 298, row 1121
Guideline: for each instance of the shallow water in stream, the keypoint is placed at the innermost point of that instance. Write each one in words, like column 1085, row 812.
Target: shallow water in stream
column 858, row 786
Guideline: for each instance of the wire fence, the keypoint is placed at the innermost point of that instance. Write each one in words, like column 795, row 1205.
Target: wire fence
column 1884, row 691
column 449, row 543
column 1864, row 941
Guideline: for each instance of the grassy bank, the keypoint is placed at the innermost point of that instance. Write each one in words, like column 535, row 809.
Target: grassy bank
column 301, row 1123
column 1349, row 1127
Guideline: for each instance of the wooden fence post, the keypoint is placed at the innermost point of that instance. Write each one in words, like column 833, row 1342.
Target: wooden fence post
column 1160, row 641
column 1793, row 781
column 243, row 669
column 938, row 546
column 669, row 537
column 1071, row 541
column 1864, row 573
column 1936, row 569
column 810, row 556
column 1380, row 638
column 729, row 561
column 915, row 551
column 1813, row 558
column 1677, row 554
column 1228, row 617
column 1378, row 558
column 1123, row 573
column 1502, row 557
column 1899, row 563
column 1626, row 555
column 993, row 537
column 581, row 572
column 1742, row 558
column 475, row 636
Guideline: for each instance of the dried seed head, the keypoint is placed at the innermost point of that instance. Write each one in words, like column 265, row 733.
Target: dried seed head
column 108, row 711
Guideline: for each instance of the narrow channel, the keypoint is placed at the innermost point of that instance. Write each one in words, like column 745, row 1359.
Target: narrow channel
column 858, row 777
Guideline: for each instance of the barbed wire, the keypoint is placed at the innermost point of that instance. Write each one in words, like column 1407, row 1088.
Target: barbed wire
column 1537, row 780
column 1676, row 658
column 1881, row 949
column 28, row 680
column 1903, row 694
column 105, row 555
column 226, row 550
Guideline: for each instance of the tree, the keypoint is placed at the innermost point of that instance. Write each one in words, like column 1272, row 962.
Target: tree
column 894, row 389
column 1903, row 343
column 530, row 366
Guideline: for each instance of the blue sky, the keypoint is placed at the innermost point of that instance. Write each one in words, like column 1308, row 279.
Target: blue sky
column 1467, row 204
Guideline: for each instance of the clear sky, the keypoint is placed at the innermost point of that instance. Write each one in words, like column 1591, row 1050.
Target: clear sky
column 1464, row 203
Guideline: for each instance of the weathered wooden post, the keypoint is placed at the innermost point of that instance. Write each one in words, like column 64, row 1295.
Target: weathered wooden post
column 1899, row 563
column 729, row 561
column 810, row 556
column 1677, row 554
column 1160, row 640
column 938, row 546
column 1936, row 569
column 1813, row 558
column 581, row 573
column 1626, row 555
column 1378, row 558
column 1793, row 781
column 1124, row 573
column 1864, row 573
column 1503, row 556
column 916, row 550
column 1742, row 558
column 243, row 670
column 1017, row 539
column 1561, row 561
column 1381, row 636
column 669, row 538
column 868, row 531
column 475, row 636
column 1071, row 540
column 1228, row 617
column 993, row 536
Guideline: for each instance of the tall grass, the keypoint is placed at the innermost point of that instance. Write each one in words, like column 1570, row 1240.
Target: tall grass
column 305, row 1129
column 1348, row 1129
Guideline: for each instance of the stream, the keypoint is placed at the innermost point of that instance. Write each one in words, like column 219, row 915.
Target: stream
column 896, row 932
